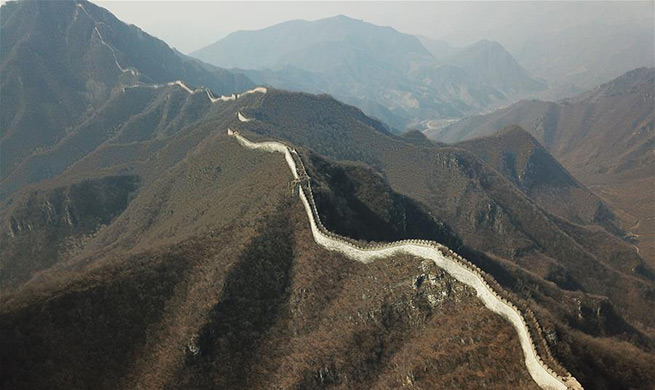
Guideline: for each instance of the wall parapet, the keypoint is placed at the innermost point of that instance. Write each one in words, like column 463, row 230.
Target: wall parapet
column 493, row 296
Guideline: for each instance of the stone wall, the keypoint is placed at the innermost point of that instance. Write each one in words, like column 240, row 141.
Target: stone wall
column 492, row 295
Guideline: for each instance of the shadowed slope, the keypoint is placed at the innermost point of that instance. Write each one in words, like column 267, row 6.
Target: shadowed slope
column 519, row 157
column 306, row 308
column 604, row 137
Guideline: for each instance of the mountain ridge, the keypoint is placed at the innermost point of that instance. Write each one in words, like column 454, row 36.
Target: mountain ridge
column 496, row 65
column 67, row 59
column 520, row 157
column 388, row 74
column 539, row 371
column 604, row 137
column 339, row 28
column 197, row 270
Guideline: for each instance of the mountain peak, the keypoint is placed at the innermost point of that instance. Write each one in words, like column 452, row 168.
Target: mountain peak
column 515, row 131
column 482, row 47
column 494, row 63
column 519, row 156
column 316, row 45
column 342, row 17
column 488, row 43
column 354, row 23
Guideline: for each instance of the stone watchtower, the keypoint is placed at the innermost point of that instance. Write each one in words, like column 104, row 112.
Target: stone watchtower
column 295, row 184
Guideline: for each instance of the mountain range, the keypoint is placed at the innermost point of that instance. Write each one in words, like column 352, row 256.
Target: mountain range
column 388, row 74
column 587, row 55
column 604, row 137
column 570, row 60
column 143, row 247
column 63, row 62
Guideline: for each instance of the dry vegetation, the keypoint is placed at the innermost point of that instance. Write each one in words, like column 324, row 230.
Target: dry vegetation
column 255, row 306
column 560, row 263
column 604, row 137
column 143, row 248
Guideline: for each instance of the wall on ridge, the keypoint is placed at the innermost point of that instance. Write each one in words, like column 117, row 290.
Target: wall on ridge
column 454, row 264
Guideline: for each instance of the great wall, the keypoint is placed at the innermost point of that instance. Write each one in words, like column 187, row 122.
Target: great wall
column 492, row 295
column 179, row 83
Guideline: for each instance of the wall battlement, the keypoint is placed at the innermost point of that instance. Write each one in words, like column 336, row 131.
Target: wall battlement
column 492, row 295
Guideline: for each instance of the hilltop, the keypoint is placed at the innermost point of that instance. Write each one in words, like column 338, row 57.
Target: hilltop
column 315, row 46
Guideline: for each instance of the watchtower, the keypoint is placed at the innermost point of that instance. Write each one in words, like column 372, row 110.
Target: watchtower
column 295, row 184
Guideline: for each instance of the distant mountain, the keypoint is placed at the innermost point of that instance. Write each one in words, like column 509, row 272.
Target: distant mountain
column 439, row 48
column 583, row 132
column 605, row 137
column 588, row 55
column 478, row 76
column 63, row 60
column 316, row 46
column 488, row 60
column 388, row 74
column 493, row 64
column 146, row 248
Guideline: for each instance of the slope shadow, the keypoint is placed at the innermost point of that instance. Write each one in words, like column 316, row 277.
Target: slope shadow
column 254, row 295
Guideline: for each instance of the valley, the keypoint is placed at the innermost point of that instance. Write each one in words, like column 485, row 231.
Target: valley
column 604, row 137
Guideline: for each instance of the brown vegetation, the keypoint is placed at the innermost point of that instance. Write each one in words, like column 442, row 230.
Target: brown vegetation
column 604, row 137
column 503, row 230
column 257, row 308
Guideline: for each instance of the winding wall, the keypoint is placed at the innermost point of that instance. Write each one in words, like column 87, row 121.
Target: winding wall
column 444, row 258
column 102, row 40
column 210, row 96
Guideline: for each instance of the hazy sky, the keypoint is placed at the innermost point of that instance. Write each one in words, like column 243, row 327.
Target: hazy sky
column 190, row 25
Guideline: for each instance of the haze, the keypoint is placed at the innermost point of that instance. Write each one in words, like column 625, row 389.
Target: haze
column 189, row 26
column 373, row 195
